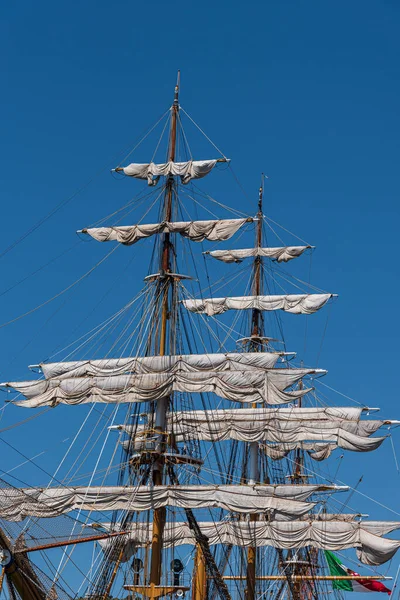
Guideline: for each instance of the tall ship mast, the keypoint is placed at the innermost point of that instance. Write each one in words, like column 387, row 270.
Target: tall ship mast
column 197, row 467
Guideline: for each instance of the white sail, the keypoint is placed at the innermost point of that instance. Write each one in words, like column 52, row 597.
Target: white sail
column 233, row 426
column 321, row 451
column 316, row 450
column 192, row 169
column 294, row 303
column 280, row 254
column 17, row 504
column 388, row 526
column 248, row 421
column 238, row 386
column 286, row 535
column 344, row 439
column 244, row 415
column 161, row 364
column 196, row 231
column 288, row 442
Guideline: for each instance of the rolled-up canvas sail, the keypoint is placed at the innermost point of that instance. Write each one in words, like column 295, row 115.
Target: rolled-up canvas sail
column 196, row 231
column 332, row 535
column 192, row 169
column 316, row 450
column 238, row 386
column 346, row 434
column 294, row 303
column 281, row 254
column 216, row 425
column 161, row 364
column 16, row 504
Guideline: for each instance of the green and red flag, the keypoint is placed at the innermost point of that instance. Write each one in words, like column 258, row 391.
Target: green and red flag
column 338, row 569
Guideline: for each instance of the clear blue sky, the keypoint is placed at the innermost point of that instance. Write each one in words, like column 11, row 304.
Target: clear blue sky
column 306, row 91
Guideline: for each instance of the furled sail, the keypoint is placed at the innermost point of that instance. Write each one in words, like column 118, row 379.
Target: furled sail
column 316, row 450
column 161, row 364
column 239, row 386
column 294, row 303
column 332, row 535
column 343, row 439
column 196, row 231
column 321, row 451
column 280, row 254
column 254, row 425
column 248, row 421
column 17, row 504
column 192, row 169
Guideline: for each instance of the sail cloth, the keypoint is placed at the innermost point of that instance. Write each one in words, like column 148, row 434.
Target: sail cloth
column 344, row 440
column 372, row 549
column 255, row 425
column 288, row 440
column 192, row 169
column 281, row 254
column 161, row 364
column 321, row 451
column 305, row 304
column 249, row 425
column 255, row 415
column 248, row 421
column 238, row 386
column 196, row 231
column 316, row 451
column 290, row 500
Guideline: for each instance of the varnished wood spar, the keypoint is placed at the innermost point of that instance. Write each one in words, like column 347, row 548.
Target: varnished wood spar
column 311, row 577
column 113, row 574
column 256, row 331
column 155, row 591
column 199, row 588
column 93, row 538
column 256, row 314
column 160, row 513
column 3, row 572
column 21, row 575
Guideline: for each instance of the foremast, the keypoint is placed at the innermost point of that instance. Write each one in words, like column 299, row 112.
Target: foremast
column 164, row 284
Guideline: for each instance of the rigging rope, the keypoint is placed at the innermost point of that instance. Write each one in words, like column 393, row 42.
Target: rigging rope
column 32, row 310
column 202, row 540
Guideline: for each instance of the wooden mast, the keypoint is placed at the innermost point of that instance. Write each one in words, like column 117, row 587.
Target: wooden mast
column 199, row 587
column 19, row 572
column 256, row 327
column 256, row 314
column 162, row 405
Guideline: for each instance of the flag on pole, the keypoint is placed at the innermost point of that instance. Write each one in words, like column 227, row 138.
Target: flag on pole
column 338, row 569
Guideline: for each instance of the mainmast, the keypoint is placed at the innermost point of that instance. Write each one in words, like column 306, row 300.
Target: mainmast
column 256, row 333
column 256, row 320
column 162, row 404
